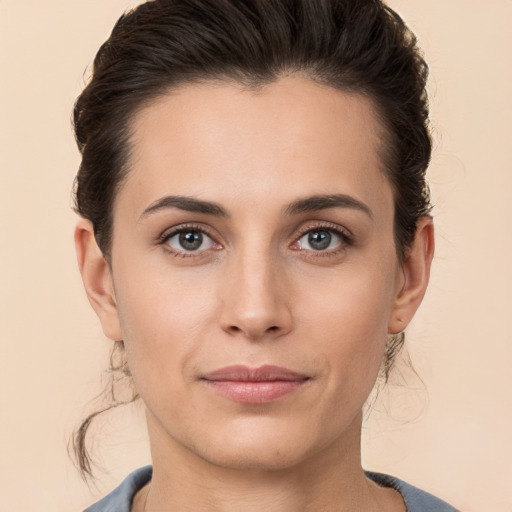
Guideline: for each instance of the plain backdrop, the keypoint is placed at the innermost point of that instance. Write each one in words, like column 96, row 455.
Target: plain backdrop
column 448, row 433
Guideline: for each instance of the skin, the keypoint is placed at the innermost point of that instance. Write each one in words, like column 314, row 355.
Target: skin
column 256, row 292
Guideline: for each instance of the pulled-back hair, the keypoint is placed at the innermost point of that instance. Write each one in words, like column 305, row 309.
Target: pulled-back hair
column 359, row 46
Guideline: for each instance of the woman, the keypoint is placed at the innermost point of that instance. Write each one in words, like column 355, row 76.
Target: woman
column 255, row 237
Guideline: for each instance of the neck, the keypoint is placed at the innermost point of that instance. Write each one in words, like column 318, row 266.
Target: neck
column 331, row 480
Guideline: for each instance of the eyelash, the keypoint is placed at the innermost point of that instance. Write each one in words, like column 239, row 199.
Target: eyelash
column 345, row 237
column 185, row 228
column 343, row 234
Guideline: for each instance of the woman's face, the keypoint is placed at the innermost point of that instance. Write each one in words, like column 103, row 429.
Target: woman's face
column 254, row 230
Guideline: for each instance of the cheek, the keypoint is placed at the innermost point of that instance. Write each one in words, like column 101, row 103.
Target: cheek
column 348, row 316
column 163, row 318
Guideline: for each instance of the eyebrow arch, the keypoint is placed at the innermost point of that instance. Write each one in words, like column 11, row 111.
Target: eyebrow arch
column 188, row 204
column 322, row 202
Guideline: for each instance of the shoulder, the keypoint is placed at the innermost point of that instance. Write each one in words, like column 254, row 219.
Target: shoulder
column 415, row 499
column 120, row 499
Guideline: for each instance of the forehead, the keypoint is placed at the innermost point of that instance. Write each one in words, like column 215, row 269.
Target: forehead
column 221, row 140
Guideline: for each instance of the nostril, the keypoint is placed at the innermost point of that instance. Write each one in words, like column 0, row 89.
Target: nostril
column 253, row 332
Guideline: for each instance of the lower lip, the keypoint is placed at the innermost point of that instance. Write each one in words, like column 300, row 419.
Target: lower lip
column 255, row 392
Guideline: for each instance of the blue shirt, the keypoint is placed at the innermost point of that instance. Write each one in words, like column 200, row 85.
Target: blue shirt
column 120, row 499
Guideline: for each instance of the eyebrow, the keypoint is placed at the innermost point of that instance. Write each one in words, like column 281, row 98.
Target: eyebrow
column 185, row 203
column 323, row 202
column 308, row 204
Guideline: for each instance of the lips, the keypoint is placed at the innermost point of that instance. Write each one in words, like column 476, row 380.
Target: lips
column 254, row 385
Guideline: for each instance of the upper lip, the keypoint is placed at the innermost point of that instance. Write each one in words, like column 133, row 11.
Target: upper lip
column 263, row 373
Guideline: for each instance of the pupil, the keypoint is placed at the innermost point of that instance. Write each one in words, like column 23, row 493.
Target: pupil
column 319, row 240
column 191, row 240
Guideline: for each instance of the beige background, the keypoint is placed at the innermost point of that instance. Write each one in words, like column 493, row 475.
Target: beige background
column 450, row 435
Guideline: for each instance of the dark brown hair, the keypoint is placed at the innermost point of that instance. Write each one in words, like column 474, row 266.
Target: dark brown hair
column 360, row 46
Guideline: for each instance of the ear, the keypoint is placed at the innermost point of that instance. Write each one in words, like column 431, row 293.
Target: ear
column 415, row 277
column 97, row 279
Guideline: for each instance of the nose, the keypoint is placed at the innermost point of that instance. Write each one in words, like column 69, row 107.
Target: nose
column 255, row 303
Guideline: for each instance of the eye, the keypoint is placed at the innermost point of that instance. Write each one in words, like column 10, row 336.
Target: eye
column 322, row 239
column 189, row 240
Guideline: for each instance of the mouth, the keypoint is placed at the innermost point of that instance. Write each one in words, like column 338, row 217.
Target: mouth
column 260, row 385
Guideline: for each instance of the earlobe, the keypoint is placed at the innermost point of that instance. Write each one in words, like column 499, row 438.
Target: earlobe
column 97, row 279
column 416, row 274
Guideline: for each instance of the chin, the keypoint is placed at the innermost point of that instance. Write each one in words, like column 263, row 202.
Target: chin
column 256, row 458
column 258, row 448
